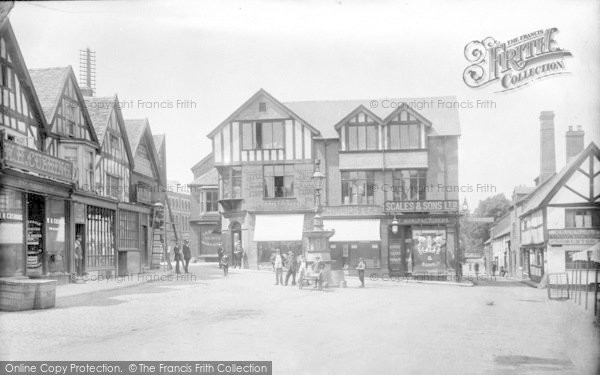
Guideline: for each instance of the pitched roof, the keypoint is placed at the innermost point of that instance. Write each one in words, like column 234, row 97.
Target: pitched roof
column 49, row 84
column 99, row 109
column 159, row 139
column 210, row 178
column 547, row 189
column 324, row 115
column 135, row 130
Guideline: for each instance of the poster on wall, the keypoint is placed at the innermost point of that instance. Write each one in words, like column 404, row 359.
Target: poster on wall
column 429, row 250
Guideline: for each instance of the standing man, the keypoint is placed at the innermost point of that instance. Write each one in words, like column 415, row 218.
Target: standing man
column 220, row 253
column 177, row 253
column 187, row 255
column 361, row 271
column 237, row 255
column 78, row 256
column 278, row 267
column 292, row 268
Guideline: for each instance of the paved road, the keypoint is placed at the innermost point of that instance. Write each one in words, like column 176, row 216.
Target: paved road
column 388, row 327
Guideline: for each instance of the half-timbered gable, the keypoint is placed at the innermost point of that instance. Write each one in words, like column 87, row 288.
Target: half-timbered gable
column 262, row 130
column 114, row 163
column 72, row 134
column 146, row 173
column 21, row 116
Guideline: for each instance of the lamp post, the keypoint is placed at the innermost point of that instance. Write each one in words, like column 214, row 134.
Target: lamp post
column 318, row 238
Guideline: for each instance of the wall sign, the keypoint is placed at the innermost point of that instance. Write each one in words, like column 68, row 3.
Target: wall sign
column 17, row 156
column 420, row 206
column 573, row 236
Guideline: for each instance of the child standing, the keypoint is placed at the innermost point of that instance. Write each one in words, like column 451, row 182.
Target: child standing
column 225, row 265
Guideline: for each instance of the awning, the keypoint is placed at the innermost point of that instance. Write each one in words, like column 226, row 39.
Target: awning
column 278, row 228
column 352, row 230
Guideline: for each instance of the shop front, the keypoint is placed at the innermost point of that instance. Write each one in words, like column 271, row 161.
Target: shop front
column 133, row 238
column 354, row 239
column 273, row 232
column 422, row 244
column 34, row 213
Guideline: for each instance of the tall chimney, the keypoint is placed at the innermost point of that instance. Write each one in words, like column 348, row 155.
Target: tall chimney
column 547, row 151
column 574, row 140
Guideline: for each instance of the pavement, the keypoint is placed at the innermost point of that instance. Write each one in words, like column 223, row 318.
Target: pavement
column 387, row 327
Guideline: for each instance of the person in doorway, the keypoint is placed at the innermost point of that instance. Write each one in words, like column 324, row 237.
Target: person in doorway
column 78, row 256
column 476, row 267
column 278, row 267
column 220, row 253
column 178, row 259
column 237, row 254
column 292, row 266
column 493, row 269
column 224, row 263
column 361, row 271
column 187, row 255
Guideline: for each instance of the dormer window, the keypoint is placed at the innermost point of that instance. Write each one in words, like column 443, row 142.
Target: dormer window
column 402, row 137
column 262, row 107
column 362, row 137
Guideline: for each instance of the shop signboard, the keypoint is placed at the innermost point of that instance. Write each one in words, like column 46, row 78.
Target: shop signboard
column 579, row 236
column 21, row 157
column 421, row 206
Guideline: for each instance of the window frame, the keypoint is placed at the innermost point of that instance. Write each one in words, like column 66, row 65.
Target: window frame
column 287, row 175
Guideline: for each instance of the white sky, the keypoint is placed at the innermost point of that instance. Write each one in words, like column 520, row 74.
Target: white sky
column 219, row 53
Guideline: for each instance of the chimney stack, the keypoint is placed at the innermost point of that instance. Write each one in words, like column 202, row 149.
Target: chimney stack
column 547, row 150
column 574, row 142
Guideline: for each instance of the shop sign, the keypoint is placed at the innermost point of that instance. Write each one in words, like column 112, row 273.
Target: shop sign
column 424, row 220
column 17, row 156
column 573, row 236
column 421, row 206
column 79, row 213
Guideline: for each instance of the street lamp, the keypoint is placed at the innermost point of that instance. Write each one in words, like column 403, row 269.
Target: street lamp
column 318, row 179
column 395, row 225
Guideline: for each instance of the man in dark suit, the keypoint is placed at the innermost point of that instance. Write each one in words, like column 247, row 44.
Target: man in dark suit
column 187, row 255
column 292, row 267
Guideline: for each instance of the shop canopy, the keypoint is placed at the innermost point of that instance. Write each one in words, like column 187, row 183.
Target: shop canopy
column 278, row 228
column 595, row 253
column 353, row 230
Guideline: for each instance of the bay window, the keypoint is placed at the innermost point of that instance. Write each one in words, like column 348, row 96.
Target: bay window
column 409, row 184
column 358, row 187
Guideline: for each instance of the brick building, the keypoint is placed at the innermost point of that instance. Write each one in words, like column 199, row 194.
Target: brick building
column 391, row 188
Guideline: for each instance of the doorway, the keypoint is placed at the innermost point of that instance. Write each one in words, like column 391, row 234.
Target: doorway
column 144, row 246
column 36, row 257
column 236, row 236
column 400, row 250
column 80, row 233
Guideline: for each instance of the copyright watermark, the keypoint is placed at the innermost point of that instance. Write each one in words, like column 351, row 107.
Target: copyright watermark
column 433, row 104
column 141, row 277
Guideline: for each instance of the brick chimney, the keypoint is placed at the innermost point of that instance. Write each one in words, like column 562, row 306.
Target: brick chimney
column 574, row 141
column 547, row 151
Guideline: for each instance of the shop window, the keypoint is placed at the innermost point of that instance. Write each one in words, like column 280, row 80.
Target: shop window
column 571, row 264
column 100, row 238
column 278, row 181
column 267, row 251
column 358, row 188
column 35, row 235
column 55, row 236
column 409, row 184
column 582, row 218
column 11, row 232
column 128, row 230
column 348, row 254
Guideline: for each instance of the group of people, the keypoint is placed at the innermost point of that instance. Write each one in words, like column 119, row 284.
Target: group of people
column 238, row 257
column 183, row 255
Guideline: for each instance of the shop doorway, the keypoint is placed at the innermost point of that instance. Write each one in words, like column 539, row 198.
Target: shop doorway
column 36, row 257
column 400, row 250
column 80, row 233
column 236, row 236
column 144, row 245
